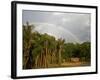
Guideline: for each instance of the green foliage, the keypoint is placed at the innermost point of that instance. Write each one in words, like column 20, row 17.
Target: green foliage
column 85, row 51
column 81, row 51
column 68, row 51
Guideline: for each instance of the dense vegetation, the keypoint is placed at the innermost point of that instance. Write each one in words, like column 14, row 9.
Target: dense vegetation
column 43, row 50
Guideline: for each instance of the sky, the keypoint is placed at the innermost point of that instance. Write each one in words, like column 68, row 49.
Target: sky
column 73, row 27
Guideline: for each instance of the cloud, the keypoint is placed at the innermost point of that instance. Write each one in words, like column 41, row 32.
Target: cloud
column 74, row 27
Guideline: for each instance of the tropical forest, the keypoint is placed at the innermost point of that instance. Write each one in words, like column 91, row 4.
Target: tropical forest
column 46, row 51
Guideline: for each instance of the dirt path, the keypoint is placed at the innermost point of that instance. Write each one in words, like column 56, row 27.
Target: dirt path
column 71, row 64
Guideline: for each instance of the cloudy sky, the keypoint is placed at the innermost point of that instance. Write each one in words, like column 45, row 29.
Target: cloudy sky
column 73, row 27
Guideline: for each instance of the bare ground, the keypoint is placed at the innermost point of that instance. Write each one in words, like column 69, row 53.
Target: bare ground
column 70, row 64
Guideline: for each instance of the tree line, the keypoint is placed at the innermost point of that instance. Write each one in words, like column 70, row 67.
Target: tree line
column 42, row 50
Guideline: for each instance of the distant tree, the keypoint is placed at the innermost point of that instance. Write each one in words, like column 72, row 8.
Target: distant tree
column 68, row 51
column 76, row 51
column 85, row 51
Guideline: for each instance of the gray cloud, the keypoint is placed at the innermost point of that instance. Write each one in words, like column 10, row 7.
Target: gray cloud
column 73, row 27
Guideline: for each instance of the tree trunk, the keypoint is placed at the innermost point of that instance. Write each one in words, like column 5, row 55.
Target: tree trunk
column 59, row 56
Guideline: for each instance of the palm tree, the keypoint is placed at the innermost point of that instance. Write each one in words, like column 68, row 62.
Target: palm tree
column 27, row 33
column 60, row 50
